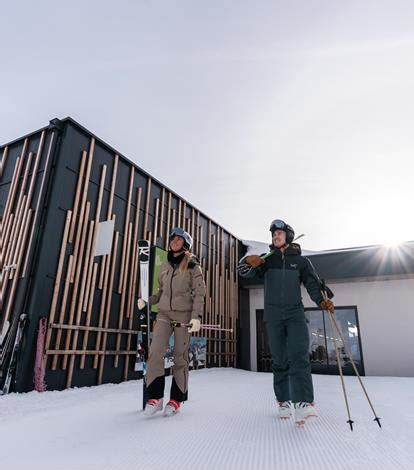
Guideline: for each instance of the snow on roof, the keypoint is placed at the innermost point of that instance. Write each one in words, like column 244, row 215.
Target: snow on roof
column 257, row 248
column 230, row 422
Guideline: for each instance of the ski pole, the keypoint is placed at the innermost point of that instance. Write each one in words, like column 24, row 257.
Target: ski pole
column 348, row 352
column 212, row 328
column 338, row 360
column 204, row 326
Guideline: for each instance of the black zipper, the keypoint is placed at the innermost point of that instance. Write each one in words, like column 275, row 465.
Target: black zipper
column 172, row 275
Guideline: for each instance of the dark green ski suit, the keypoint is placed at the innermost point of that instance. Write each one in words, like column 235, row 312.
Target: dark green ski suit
column 285, row 320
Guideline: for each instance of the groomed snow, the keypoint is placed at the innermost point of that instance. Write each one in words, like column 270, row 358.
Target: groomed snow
column 228, row 423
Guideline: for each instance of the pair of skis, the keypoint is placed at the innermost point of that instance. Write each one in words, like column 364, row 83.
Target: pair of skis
column 143, row 339
column 4, row 346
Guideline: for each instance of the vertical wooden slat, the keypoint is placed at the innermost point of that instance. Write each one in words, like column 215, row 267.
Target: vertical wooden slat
column 179, row 213
column 13, row 186
column 52, row 311
column 91, row 252
column 21, row 199
column 11, row 250
column 133, row 284
column 213, row 296
column 161, row 230
column 2, row 262
column 123, row 295
column 77, row 195
column 9, row 222
column 236, row 306
column 106, row 294
column 113, row 184
column 101, row 317
column 167, row 233
column 15, row 234
column 200, row 243
column 40, row 196
column 62, row 310
column 108, row 216
column 25, row 208
column 14, row 252
column 7, row 216
column 184, row 216
column 173, row 224
column 88, row 315
column 126, row 228
column 25, row 229
column 134, row 254
column 83, row 285
column 144, row 233
column 208, row 298
column 157, row 208
column 222, row 308
column 15, row 180
column 108, row 308
column 192, row 224
column 77, row 269
column 81, row 219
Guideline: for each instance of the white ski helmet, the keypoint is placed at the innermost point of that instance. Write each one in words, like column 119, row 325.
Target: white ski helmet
column 179, row 232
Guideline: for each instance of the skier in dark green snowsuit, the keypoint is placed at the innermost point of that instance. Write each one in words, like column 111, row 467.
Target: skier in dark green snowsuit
column 284, row 271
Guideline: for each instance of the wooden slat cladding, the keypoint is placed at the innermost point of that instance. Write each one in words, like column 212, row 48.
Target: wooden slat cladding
column 18, row 217
column 92, row 313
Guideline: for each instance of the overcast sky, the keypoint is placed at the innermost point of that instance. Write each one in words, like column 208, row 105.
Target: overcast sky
column 251, row 110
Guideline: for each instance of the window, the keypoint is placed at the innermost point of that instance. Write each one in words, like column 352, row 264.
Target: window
column 321, row 344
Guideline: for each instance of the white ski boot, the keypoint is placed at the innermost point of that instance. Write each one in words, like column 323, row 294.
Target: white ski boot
column 152, row 406
column 285, row 409
column 171, row 408
column 303, row 411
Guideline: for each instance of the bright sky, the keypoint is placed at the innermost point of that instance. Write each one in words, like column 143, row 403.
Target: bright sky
column 251, row 110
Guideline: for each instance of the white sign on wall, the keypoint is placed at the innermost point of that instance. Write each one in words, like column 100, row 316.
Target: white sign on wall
column 104, row 238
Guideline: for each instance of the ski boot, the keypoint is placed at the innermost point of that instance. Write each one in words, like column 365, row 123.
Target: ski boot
column 152, row 406
column 171, row 408
column 285, row 409
column 303, row 411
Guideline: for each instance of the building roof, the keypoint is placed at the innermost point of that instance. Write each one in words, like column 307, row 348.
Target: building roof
column 376, row 262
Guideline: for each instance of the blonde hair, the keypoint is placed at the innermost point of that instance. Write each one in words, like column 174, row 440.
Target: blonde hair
column 184, row 263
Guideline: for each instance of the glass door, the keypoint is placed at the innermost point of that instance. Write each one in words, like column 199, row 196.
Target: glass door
column 321, row 347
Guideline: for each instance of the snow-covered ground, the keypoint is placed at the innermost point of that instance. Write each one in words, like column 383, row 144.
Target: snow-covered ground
column 229, row 422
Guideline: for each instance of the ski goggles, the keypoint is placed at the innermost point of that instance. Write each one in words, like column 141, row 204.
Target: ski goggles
column 278, row 224
column 178, row 232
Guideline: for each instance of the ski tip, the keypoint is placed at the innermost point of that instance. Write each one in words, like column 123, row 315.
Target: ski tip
column 350, row 422
column 377, row 419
